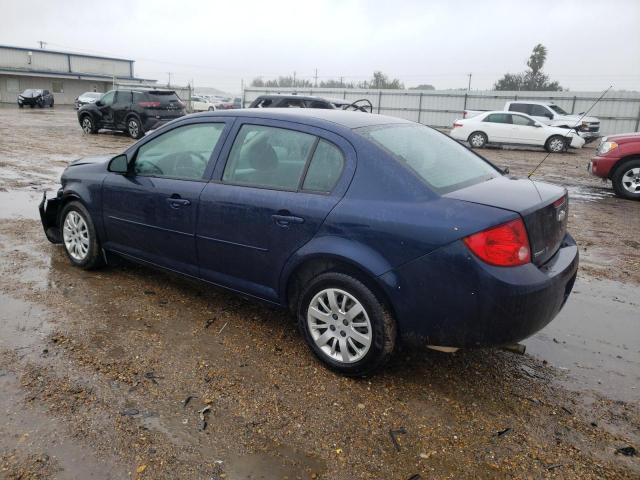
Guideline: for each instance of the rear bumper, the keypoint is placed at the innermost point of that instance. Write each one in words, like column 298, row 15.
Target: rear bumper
column 49, row 216
column 451, row 298
column 602, row 166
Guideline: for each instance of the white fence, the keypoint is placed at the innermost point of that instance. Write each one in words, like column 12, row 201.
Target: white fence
column 619, row 112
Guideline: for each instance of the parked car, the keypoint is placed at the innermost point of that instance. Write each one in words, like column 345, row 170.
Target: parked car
column 131, row 111
column 505, row 128
column 424, row 239
column 297, row 101
column 549, row 113
column 201, row 104
column 87, row 97
column 237, row 102
column 618, row 159
column 35, row 96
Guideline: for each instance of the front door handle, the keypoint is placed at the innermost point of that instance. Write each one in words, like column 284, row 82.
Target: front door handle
column 286, row 220
column 175, row 201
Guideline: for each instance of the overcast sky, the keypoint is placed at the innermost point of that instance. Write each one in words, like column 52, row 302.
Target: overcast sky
column 591, row 43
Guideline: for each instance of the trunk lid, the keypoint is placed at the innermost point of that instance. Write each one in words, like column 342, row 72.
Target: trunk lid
column 542, row 206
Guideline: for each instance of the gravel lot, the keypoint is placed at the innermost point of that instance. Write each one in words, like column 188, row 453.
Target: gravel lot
column 103, row 374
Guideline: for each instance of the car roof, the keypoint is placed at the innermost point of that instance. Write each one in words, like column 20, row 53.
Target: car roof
column 533, row 102
column 293, row 96
column 311, row 116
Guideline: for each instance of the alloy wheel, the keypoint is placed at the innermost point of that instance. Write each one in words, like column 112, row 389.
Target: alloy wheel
column 75, row 234
column 631, row 180
column 87, row 125
column 477, row 140
column 133, row 128
column 556, row 145
column 339, row 325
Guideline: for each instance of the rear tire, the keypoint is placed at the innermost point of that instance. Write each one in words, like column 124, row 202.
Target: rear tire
column 134, row 128
column 20, row 105
column 345, row 325
column 79, row 237
column 556, row 144
column 626, row 179
column 477, row 140
column 51, row 106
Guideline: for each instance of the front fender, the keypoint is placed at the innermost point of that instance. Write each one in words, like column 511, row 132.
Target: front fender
column 345, row 250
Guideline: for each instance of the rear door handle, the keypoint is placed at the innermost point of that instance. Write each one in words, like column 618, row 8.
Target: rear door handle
column 286, row 220
column 175, row 201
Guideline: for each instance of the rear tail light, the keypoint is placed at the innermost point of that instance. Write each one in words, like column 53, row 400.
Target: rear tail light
column 558, row 203
column 149, row 104
column 457, row 124
column 506, row 245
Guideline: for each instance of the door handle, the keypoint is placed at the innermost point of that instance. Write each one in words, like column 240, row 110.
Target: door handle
column 286, row 220
column 175, row 201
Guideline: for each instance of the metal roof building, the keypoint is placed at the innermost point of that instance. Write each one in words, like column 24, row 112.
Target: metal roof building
column 65, row 74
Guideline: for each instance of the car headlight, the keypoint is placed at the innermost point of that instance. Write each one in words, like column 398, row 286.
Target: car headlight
column 606, row 147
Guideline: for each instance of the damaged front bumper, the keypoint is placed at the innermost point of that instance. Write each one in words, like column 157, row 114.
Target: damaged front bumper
column 49, row 216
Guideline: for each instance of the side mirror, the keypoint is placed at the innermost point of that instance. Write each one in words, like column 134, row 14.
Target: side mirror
column 549, row 116
column 505, row 170
column 537, row 125
column 119, row 164
column 99, row 103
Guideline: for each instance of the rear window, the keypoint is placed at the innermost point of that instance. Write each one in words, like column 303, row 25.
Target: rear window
column 164, row 98
column 519, row 107
column 441, row 162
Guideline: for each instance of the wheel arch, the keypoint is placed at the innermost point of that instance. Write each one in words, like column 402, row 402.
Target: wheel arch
column 313, row 265
column 621, row 162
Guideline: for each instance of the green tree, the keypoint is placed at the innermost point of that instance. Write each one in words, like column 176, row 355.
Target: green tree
column 532, row 79
column 382, row 81
column 424, row 86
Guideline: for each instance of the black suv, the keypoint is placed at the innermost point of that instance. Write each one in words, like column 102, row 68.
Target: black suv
column 35, row 96
column 134, row 112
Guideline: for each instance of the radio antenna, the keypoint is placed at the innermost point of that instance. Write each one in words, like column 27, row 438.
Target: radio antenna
column 573, row 128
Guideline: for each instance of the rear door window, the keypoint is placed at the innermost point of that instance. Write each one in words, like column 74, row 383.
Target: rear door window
column 268, row 157
column 498, row 118
column 325, row 168
column 292, row 103
column 519, row 107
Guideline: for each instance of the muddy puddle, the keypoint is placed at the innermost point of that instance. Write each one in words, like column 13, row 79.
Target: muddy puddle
column 595, row 340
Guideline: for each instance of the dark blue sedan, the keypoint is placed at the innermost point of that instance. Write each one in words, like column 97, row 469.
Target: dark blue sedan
column 367, row 228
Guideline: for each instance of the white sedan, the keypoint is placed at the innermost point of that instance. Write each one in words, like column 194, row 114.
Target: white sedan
column 509, row 128
column 201, row 104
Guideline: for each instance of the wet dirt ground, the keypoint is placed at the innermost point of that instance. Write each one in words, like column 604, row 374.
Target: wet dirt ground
column 103, row 374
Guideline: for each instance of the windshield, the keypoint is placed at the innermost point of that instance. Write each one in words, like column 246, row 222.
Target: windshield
column 443, row 164
column 557, row 109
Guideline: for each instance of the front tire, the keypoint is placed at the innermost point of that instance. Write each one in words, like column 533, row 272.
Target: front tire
column 477, row 140
column 346, row 326
column 556, row 144
column 626, row 179
column 88, row 125
column 134, row 128
column 79, row 237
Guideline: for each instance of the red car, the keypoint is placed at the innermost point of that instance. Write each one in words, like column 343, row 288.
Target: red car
column 618, row 159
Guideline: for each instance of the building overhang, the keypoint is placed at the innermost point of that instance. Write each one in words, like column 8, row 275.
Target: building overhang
column 75, row 76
